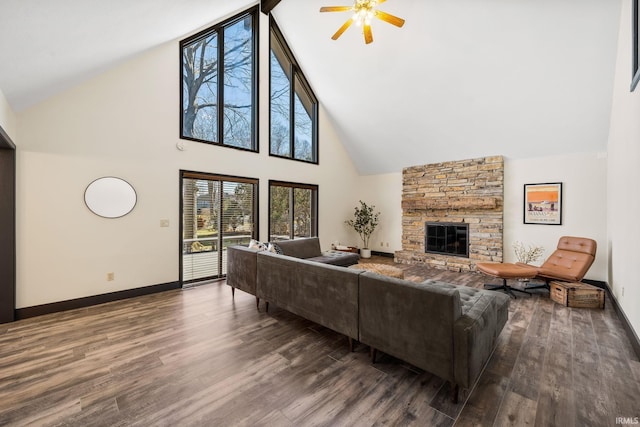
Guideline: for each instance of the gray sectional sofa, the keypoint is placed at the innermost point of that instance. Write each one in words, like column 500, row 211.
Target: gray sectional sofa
column 445, row 329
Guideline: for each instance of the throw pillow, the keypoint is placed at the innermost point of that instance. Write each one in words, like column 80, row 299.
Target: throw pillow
column 255, row 244
column 273, row 247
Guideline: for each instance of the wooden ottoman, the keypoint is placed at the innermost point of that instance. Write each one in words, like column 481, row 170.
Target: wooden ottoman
column 506, row 271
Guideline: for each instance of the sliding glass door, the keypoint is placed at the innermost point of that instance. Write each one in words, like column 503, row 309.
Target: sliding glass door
column 217, row 211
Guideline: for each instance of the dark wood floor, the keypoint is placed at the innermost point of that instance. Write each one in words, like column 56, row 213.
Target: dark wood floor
column 196, row 357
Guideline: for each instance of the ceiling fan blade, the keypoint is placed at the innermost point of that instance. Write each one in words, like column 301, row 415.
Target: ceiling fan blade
column 381, row 1
column 368, row 35
column 391, row 19
column 342, row 29
column 335, row 8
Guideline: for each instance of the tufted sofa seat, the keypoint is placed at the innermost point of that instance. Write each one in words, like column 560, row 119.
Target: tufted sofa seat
column 470, row 296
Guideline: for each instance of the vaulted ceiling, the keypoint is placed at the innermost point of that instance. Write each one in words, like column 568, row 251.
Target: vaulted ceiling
column 461, row 79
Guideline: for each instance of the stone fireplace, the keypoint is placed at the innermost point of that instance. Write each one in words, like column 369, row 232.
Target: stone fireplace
column 466, row 192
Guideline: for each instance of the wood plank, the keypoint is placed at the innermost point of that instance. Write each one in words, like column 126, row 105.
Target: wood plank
column 516, row 410
column 482, row 406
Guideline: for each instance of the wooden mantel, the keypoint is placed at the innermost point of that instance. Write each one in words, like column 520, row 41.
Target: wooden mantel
column 422, row 203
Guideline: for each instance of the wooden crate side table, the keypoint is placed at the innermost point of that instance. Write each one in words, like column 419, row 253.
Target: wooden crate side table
column 576, row 294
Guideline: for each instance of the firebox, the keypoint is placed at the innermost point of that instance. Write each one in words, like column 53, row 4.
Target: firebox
column 447, row 238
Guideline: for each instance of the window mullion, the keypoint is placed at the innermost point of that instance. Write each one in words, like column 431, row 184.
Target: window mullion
column 292, row 112
column 219, row 223
column 221, row 86
column 292, row 234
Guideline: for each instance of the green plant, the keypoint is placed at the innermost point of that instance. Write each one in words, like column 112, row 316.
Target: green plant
column 365, row 222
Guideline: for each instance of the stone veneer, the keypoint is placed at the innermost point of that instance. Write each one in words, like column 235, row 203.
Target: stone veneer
column 470, row 191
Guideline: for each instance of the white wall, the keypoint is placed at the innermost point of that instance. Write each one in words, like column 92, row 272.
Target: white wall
column 584, row 204
column 125, row 123
column 623, row 180
column 7, row 117
column 385, row 193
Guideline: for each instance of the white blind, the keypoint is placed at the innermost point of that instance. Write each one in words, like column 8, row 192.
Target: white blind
column 216, row 212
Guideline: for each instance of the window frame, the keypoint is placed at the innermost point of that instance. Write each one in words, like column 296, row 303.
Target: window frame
column 219, row 28
column 315, row 228
column 296, row 76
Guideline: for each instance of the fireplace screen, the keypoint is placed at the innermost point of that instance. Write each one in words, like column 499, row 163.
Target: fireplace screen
column 448, row 238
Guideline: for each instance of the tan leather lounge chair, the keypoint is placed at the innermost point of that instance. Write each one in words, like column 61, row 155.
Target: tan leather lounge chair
column 569, row 263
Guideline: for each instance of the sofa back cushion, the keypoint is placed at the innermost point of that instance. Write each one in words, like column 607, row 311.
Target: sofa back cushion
column 410, row 321
column 307, row 247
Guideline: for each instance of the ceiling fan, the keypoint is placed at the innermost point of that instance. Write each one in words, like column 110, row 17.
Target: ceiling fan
column 363, row 12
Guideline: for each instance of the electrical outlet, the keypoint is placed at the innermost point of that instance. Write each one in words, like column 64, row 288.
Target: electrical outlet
column 164, row 223
column 110, row 277
column 381, row 244
column 387, row 244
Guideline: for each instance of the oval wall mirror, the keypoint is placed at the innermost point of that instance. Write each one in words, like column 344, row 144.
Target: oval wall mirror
column 110, row 197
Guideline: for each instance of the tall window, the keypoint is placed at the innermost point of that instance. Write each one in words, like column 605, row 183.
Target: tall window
column 293, row 210
column 293, row 106
column 219, row 84
column 217, row 211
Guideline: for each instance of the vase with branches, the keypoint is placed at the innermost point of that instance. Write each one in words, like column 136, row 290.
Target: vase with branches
column 364, row 223
column 527, row 253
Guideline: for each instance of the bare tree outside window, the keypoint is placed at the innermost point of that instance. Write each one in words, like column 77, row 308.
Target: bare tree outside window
column 293, row 107
column 218, row 84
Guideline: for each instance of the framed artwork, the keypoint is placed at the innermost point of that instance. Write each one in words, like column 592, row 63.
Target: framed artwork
column 635, row 72
column 543, row 203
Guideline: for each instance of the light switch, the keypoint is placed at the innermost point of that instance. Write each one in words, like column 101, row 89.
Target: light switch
column 164, row 223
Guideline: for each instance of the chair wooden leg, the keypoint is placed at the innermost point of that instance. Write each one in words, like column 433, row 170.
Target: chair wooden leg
column 257, row 303
column 455, row 389
column 233, row 292
column 266, row 306
column 350, row 344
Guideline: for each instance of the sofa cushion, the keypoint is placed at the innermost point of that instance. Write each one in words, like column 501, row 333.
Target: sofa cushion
column 468, row 296
column 307, row 247
column 343, row 259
